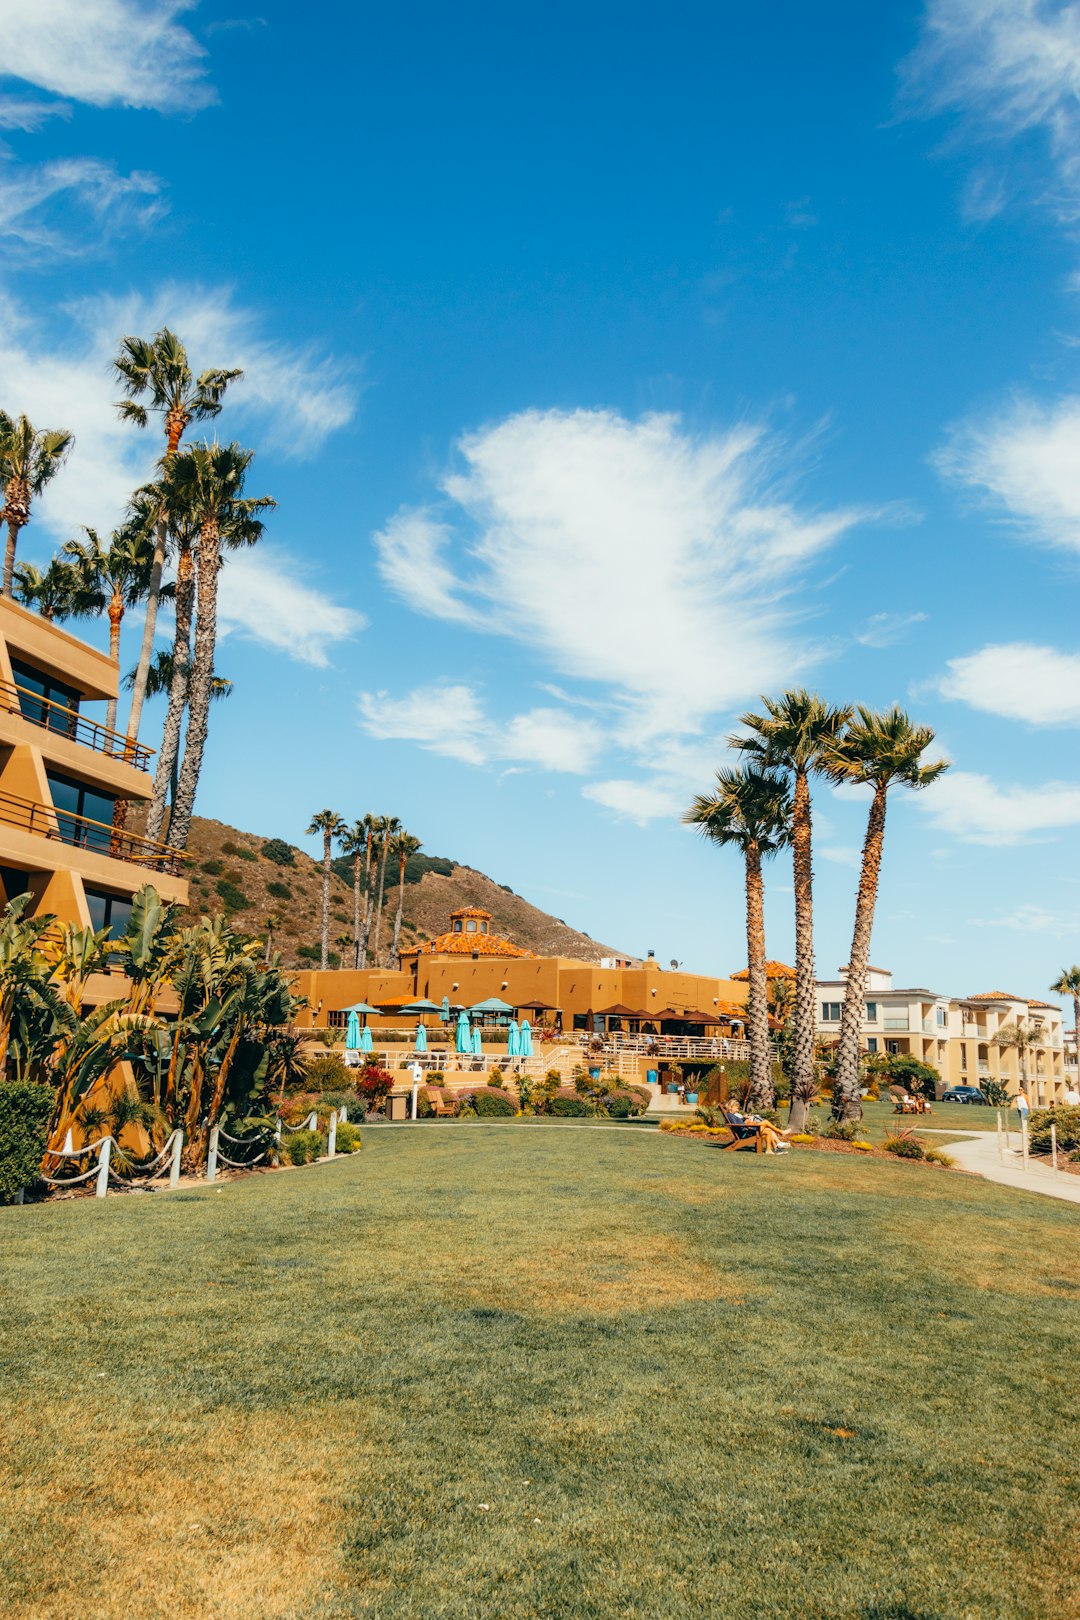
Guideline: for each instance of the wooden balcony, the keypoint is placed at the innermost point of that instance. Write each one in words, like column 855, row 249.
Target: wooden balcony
column 54, row 717
column 81, row 832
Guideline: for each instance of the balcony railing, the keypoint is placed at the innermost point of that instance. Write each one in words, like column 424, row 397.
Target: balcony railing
column 80, row 831
column 42, row 711
column 897, row 1023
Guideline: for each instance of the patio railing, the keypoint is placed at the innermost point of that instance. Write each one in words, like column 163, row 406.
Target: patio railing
column 65, row 722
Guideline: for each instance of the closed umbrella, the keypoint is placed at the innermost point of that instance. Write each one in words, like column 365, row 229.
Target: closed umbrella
column 366, row 1044
column 352, row 1033
column 513, row 1039
column 477, row 1043
column 421, row 1038
column 445, row 1013
column 464, row 1038
column 526, row 1038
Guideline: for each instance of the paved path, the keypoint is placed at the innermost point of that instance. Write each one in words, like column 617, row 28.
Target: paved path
column 979, row 1154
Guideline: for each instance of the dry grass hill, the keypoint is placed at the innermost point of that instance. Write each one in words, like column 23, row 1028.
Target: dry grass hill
column 231, row 871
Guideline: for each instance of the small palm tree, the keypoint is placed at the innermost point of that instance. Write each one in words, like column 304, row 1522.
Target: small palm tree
column 1023, row 1039
column 794, row 736
column 404, row 846
column 750, row 809
column 30, row 459
column 389, row 827
column 879, row 751
column 120, row 572
column 1067, row 983
column 270, row 924
column 331, row 825
column 156, row 370
column 57, row 592
column 208, row 484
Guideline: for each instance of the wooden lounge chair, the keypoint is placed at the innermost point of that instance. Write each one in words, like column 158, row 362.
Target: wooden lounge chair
column 743, row 1133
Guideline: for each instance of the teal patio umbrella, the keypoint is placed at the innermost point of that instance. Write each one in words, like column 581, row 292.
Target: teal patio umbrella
column 513, row 1039
column 526, row 1038
column 445, row 1011
column 421, row 1038
column 464, row 1038
column 366, row 1044
column 477, row 1043
column 352, row 1032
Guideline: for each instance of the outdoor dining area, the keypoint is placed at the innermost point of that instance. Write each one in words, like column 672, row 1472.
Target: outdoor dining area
column 466, row 1025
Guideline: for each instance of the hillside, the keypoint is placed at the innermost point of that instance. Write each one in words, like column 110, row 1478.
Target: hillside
column 230, row 871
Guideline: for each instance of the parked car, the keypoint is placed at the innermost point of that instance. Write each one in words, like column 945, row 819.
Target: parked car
column 964, row 1094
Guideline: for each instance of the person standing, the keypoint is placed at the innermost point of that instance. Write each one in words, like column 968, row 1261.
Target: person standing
column 1022, row 1106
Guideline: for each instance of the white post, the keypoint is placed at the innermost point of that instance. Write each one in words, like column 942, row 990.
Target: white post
column 1024, row 1138
column 415, row 1096
column 343, row 1114
column 312, row 1121
column 1053, row 1145
column 277, row 1131
column 174, row 1162
column 331, row 1139
column 102, row 1185
column 211, row 1157
column 69, row 1145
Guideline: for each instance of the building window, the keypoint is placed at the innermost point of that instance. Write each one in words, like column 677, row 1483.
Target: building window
column 830, row 1012
column 871, row 1012
column 963, row 1054
column 893, row 1048
column 73, row 800
column 111, row 911
column 36, row 687
column 470, row 926
column 942, row 1018
column 457, row 925
column 871, row 1043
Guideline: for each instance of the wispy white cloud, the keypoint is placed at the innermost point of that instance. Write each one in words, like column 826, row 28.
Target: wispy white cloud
column 107, row 53
column 886, row 629
column 975, row 810
column 839, row 855
column 450, row 718
column 1010, row 66
column 658, row 564
column 1018, row 680
column 107, row 203
column 1029, row 919
column 266, row 596
column 641, row 801
column 1023, row 460
column 29, row 114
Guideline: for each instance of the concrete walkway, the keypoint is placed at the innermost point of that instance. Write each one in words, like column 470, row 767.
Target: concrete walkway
column 979, row 1154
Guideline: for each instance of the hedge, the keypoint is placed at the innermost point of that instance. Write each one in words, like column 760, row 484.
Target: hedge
column 25, row 1109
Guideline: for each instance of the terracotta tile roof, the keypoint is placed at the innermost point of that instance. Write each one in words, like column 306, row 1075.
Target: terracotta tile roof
column 471, row 911
column 454, row 944
column 994, row 995
column 1051, row 1006
column 773, row 970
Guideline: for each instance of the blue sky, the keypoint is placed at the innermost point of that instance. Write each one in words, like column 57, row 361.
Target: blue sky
column 609, row 368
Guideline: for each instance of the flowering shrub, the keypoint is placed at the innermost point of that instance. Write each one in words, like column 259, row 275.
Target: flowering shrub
column 492, row 1102
column 904, row 1145
column 625, row 1104
column 374, row 1085
column 568, row 1104
column 348, row 1137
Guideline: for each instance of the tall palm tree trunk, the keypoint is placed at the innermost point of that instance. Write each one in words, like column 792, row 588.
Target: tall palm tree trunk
column 116, row 614
column 761, row 1086
column 175, row 423
column 13, row 530
column 382, row 891
column 201, row 682
column 324, row 946
column 805, row 984
column 357, row 871
column 394, row 962
column 165, row 776
column 365, row 937
column 846, row 1104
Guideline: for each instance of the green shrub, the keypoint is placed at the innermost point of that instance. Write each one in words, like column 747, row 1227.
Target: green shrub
column 213, row 867
column 278, row 851
column 1067, row 1121
column 995, row 1093
column 235, row 899
column 310, row 953
column 280, row 891
column 25, row 1108
column 840, row 1130
column 567, row 1104
column 938, row 1156
column 492, row 1102
column 348, row 1137
column 905, row 1145
column 239, row 851
column 300, row 1147
column 328, row 1072
column 625, row 1103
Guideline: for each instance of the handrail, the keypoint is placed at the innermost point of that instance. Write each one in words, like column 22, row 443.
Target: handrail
column 82, row 831
column 76, row 726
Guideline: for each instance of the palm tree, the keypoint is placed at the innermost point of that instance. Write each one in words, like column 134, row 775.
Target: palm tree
column 880, row 751
column 30, row 458
column 373, row 826
column 120, row 572
column 159, row 682
column 157, row 370
column 356, row 844
column 331, row 825
column 750, row 808
column 794, row 736
column 59, row 592
column 1067, row 983
column 1023, row 1039
column 209, row 481
column 270, row 924
column 404, row 846
column 389, row 827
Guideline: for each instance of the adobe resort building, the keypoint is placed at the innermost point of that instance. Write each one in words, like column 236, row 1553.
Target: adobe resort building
column 62, row 775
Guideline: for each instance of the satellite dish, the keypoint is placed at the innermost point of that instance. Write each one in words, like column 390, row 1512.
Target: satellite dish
column 674, row 964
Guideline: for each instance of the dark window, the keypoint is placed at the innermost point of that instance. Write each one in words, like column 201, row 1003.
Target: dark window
column 830, row 1012
column 72, row 799
column 111, row 911
column 15, row 883
column 38, row 686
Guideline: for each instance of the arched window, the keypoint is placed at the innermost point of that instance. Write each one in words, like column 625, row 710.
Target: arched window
column 470, row 926
column 457, row 925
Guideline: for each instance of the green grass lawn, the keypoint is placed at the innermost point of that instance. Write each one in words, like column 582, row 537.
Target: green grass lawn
column 515, row 1371
column 880, row 1118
